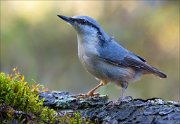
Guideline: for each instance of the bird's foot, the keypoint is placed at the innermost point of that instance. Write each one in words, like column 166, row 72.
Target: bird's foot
column 89, row 94
column 124, row 99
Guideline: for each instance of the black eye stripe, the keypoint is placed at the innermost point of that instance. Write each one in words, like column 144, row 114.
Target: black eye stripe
column 84, row 22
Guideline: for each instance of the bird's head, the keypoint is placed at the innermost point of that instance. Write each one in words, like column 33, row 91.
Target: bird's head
column 84, row 25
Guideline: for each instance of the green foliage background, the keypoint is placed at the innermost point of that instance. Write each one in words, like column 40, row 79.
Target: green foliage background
column 44, row 48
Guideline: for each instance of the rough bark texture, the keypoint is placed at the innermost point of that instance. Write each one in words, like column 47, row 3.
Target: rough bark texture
column 99, row 109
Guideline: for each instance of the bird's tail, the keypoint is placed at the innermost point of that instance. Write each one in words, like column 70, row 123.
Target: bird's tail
column 158, row 73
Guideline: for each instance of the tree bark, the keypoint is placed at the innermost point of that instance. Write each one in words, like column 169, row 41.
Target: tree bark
column 128, row 111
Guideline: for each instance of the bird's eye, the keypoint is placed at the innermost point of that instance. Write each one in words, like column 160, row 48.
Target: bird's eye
column 83, row 21
column 80, row 21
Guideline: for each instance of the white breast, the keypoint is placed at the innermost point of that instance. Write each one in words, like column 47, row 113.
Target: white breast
column 87, row 45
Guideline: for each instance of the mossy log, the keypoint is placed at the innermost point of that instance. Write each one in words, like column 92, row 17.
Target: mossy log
column 99, row 109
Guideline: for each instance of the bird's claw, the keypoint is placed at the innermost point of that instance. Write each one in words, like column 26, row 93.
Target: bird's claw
column 124, row 99
column 89, row 94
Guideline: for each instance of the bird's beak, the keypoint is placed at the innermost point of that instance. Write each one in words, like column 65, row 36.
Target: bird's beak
column 65, row 18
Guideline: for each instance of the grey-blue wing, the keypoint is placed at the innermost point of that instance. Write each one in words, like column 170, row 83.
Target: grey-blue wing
column 113, row 51
column 117, row 55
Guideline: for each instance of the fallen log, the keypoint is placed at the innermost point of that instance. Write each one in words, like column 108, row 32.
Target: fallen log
column 99, row 110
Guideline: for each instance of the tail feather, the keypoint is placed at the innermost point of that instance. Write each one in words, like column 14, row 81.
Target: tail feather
column 158, row 73
column 155, row 71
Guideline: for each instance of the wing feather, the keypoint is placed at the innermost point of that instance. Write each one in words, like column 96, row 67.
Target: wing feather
column 117, row 55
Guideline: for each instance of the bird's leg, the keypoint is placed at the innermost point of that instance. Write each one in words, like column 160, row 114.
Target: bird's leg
column 91, row 92
column 124, row 87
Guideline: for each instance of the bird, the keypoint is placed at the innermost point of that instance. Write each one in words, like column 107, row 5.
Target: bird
column 106, row 59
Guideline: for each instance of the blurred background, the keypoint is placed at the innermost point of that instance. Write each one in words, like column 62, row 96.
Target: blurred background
column 44, row 48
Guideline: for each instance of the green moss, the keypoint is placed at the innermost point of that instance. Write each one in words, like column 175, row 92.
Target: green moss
column 16, row 95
